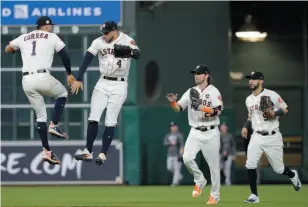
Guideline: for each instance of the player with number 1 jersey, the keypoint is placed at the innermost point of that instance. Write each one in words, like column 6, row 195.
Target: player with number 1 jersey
column 37, row 51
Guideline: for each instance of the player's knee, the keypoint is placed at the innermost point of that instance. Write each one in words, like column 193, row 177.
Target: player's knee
column 187, row 158
column 111, row 123
column 64, row 94
column 278, row 170
column 250, row 165
column 41, row 118
column 93, row 118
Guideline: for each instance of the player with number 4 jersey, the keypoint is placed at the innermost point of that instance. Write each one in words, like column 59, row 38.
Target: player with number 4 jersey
column 37, row 51
column 114, row 50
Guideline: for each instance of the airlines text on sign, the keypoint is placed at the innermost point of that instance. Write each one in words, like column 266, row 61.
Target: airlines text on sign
column 62, row 13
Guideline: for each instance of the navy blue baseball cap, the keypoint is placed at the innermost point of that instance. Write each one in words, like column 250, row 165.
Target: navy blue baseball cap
column 172, row 124
column 43, row 20
column 108, row 26
column 201, row 69
column 255, row 75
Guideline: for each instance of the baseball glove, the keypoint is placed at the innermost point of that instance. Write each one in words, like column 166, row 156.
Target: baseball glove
column 195, row 98
column 122, row 51
column 266, row 106
column 70, row 79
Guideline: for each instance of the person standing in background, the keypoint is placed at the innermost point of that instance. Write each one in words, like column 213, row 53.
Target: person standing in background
column 227, row 152
column 174, row 141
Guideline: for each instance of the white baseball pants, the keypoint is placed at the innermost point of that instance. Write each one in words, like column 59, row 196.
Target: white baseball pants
column 271, row 145
column 108, row 94
column 36, row 86
column 209, row 143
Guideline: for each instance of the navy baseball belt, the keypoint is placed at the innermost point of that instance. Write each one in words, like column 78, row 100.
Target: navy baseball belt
column 38, row 71
column 114, row 78
column 266, row 133
column 205, row 128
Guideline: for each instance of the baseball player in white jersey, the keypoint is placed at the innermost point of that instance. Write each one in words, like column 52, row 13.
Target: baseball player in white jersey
column 266, row 137
column 115, row 50
column 37, row 50
column 204, row 105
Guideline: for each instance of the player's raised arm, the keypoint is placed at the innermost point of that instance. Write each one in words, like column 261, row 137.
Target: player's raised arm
column 182, row 104
column 172, row 99
column 87, row 59
column 66, row 61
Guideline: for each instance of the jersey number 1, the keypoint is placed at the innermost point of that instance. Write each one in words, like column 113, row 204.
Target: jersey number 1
column 33, row 48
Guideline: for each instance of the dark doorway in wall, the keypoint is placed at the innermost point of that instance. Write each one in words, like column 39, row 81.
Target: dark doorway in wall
column 151, row 79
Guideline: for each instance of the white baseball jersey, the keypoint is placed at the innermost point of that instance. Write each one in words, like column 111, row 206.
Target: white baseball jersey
column 37, row 49
column 108, row 64
column 257, row 119
column 211, row 98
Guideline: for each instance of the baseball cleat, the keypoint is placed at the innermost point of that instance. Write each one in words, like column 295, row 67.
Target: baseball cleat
column 212, row 200
column 252, row 199
column 198, row 190
column 56, row 131
column 85, row 155
column 100, row 159
column 296, row 181
column 50, row 157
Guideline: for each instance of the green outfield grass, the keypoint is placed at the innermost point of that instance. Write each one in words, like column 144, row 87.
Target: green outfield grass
column 99, row 196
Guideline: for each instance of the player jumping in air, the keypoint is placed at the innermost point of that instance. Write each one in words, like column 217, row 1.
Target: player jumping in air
column 115, row 50
column 37, row 51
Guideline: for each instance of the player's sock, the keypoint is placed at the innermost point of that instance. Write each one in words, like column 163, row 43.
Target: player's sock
column 107, row 138
column 59, row 105
column 288, row 172
column 91, row 134
column 42, row 130
column 252, row 178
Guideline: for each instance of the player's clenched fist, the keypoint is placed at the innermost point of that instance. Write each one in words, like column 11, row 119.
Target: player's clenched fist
column 172, row 97
column 244, row 132
column 76, row 86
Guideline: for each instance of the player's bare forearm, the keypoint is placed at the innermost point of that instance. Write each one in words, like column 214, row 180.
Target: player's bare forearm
column 9, row 49
column 176, row 107
column 279, row 112
column 212, row 111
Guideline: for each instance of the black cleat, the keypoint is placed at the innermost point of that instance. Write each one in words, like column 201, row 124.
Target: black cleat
column 50, row 157
column 100, row 159
column 85, row 155
column 56, row 131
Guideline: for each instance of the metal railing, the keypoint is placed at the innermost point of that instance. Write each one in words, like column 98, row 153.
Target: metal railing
column 84, row 106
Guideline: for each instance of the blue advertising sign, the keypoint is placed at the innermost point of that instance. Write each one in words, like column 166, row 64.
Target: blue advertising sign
column 21, row 164
column 61, row 12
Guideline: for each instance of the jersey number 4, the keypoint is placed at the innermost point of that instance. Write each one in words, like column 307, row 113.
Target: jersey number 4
column 119, row 63
column 33, row 48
